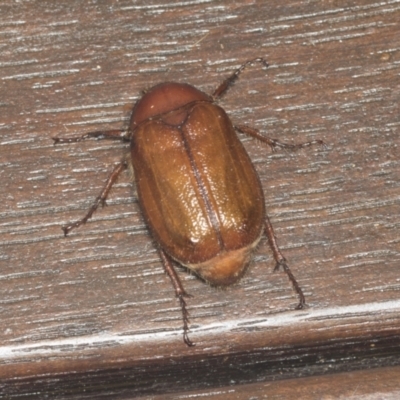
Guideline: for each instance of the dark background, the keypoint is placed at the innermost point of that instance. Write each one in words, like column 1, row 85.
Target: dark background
column 93, row 315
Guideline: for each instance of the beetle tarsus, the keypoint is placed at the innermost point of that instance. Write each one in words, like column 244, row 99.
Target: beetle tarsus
column 100, row 199
column 113, row 134
column 282, row 263
column 274, row 143
column 180, row 293
column 185, row 317
column 228, row 82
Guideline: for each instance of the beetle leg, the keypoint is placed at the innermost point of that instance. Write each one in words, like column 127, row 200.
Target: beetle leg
column 115, row 134
column 281, row 262
column 100, row 199
column 228, row 82
column 180, row 294
column 273, row 143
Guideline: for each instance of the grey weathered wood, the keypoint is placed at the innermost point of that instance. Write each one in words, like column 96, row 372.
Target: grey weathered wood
column 95, row 307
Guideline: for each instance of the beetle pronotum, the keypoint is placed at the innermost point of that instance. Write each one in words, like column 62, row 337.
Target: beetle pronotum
column 198, row 190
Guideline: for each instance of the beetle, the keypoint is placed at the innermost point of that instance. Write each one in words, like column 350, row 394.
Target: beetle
column 198, row 190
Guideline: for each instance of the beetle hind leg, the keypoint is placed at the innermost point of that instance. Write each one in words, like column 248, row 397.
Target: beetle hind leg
column 180, row 294
column 281, row 262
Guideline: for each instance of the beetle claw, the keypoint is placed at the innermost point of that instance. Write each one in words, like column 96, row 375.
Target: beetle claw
column 65, row 230
column 301, row 306
column 280, row 263
column 187, row 340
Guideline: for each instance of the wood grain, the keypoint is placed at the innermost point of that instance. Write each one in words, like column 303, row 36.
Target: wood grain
column 93, row 314
column 372, row 384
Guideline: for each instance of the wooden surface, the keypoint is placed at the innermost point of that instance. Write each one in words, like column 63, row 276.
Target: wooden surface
column 93, row 315
column 372, row 384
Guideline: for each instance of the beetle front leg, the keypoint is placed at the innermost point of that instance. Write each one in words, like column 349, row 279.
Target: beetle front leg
column 281, row 262
column 100, row 199
column 273, row 143
column 228, row 82
column 180, row 294
column 115, row 134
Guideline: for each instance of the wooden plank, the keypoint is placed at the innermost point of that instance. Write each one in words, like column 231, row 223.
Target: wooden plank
column 373, row 384
column 96, row 307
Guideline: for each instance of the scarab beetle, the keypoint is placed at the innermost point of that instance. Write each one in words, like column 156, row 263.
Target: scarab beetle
column 198, row 190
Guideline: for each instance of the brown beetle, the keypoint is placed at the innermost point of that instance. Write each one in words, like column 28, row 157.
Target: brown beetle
column 198, row 190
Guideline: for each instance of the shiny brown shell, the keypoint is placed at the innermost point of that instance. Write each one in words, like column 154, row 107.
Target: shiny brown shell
column 198, row 189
